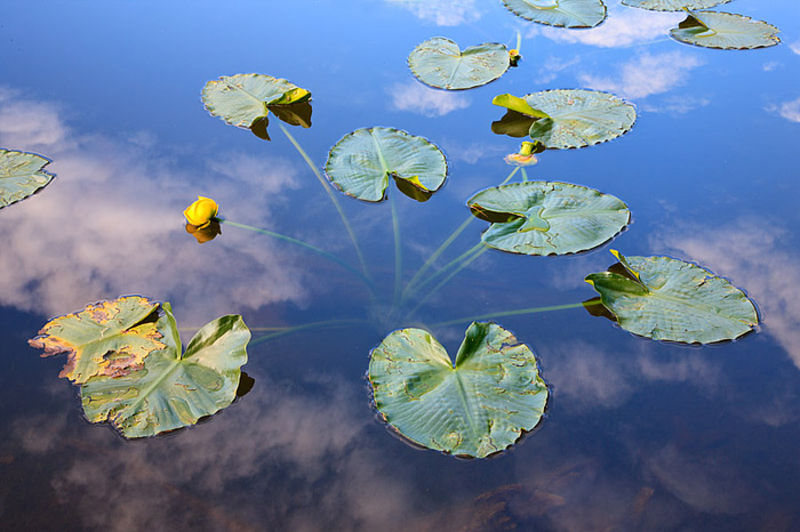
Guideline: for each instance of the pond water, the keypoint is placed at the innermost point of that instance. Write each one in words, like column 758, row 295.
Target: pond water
column 638, row 434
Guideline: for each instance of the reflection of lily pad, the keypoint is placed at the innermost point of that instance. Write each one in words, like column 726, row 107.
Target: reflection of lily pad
column 673, row 5
column 126, row 355
column 21, row 174
column 544, row 218
column 362, row 162
column 440, row 63
column 563, row 13
column 668, row 299
column 242, row 99
column 478, row 406
column 726, row 31
column 566, row 118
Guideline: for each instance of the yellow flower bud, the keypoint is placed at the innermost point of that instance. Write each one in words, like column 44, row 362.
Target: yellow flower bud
column 201, row 212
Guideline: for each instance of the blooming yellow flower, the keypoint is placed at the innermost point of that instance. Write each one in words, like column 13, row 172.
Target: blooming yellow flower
column 201, row 212
column 526, row 155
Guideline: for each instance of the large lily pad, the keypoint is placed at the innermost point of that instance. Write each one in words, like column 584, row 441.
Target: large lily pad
column 362, row 162
column 566, row 118
column 476, row 407
column 21, row 174
column 440, row 63
column 563, row 13
column 126, row 355
column 673, row 5
column 668, row 299
column 547, row 217
column 711, row 29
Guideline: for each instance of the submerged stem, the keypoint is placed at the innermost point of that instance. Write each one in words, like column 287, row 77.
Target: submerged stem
column 290, row 330
column 398, row 257
column 514, row 313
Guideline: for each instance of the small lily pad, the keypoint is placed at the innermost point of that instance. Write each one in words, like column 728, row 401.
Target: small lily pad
column 565, row 118
column 562, row 13
column 673, row 5
column 440, row 63
column 726, row 31
column 21, row 175
column 548, row 218
column 476, row 407
column 362, row 162
column 669, row 299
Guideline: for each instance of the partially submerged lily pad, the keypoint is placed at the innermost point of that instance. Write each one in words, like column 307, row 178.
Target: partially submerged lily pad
column 21, row 175
column 669, row 299
column 126, row 356
column 562, row 13
column 362, row 162
column 726, row 31
column 476, row 407
column 440, row 63
column 565, row 118
column 548, row 218
column 673, row 5
column 245, row 100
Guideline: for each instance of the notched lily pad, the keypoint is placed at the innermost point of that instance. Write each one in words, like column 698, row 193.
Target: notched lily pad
column 126, row 356
column 562, row 13
column 726, row 31
column 669, row 299
column 362, row 162
column 476, row 407
column 548, row 217
column 440, row 63
column 21, row 175
column 565, row 118
column 245, row 100
column 673, row 5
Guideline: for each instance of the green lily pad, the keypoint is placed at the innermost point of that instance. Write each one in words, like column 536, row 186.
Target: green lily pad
column 440, row 63
column 243, row 99
column 476, row 407
column 362, row 162
column 21, row 175
column 673, row 5
column 668, row 299
column 726, row 31
column 548, row 217
column 126, row 356
column 566, row 118
column 562, row 13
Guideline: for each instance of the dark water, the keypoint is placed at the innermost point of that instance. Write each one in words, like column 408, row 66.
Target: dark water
column 638, row 434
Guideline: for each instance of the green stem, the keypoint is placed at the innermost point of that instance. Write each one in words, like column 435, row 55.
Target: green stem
column 302, row 244
column 398, row 257
column 524, row 176
column 514, row 313
column 313, row 325
column 332, row 196
column 444, row 269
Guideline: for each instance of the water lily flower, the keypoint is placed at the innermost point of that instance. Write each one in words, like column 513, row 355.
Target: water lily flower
column 525, row 156
column 201, row 212
column 514, row 57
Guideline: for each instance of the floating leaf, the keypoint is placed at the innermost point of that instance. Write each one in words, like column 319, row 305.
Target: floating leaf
column 726, row 31
column 673, row 5
column 547, row 217
column 244, row 100
column 478, row 406
column 668, row 299
column 563, row 13
column 566, row 118
column 126, row 355
column 440, row 63
column 21, row 174
column 362, row 162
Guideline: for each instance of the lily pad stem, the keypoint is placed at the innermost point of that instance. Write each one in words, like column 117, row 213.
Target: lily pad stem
column 314, row 325
column 513, row 313
column 398, row 252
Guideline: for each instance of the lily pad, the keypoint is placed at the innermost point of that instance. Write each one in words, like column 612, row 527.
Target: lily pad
column 362, row 162
column 126, row 356
column 668, row 299
column 726, row 31
column 440, row 63
column 566, row 118
column 476, row 407
column 673, row 5
column 562, row 13
column 548, row 217
column 245, row 100
column 21, row 175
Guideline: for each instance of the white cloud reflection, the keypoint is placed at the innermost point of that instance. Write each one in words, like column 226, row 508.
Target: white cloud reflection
column 788, row 110
column 442, row 12
column 419, row 99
